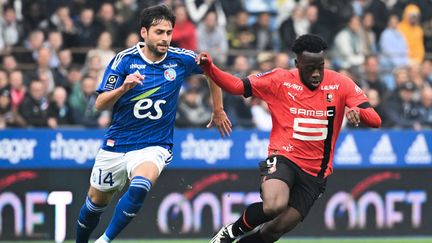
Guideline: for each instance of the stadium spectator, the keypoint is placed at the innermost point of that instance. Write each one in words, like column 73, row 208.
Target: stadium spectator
column 265, row 61
column 263, row 33
column 94, row 68
column 379, row 11
column 370, row 78
column 261, row 115
column 413, row 33
column 17, row 88
column 62, row 21
column 285, row 8
column 294, row 26
column 10, row 29
column 82, row 101
column 74, row 77
column 184, row 32
column 87, row 29
column 236, row 26
column 34, row 107
column 393, row 47
column 59, row 112
column 8, row 117
column 131, row 40
column 43, row 72
column 103, row 50
column 349, row 47
column 282, row 60
column 369, row 37
column 212, row 38
column 9, row 63
column 54, row 43
column 401, row 75
column 239, row 108
column 106, row 19
column 402, row 110
column 192, row 110
column 415, row 76
column 36, row 12
column 61, row 71
column 32, row 44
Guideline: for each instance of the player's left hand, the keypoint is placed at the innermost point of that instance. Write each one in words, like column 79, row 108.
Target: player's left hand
column 220, row 119
column 353, row 116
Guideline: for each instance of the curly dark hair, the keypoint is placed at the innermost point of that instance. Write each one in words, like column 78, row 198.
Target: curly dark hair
column 309, row 43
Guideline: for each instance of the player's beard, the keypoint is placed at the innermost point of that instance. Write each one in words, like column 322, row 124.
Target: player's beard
column 154, row 49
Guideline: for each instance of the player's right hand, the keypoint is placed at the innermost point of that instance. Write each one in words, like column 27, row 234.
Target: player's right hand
column 204, row 59
column 131, row 81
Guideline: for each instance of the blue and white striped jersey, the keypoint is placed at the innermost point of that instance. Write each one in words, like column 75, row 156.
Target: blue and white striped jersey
column 145, row 115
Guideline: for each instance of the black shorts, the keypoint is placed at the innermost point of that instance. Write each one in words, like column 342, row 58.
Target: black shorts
column 305, row 189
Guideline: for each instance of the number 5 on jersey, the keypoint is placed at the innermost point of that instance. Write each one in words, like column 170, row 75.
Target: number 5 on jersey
column 310, row 133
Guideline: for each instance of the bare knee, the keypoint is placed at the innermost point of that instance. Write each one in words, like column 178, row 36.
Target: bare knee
column 100, row 198
column 274, row 206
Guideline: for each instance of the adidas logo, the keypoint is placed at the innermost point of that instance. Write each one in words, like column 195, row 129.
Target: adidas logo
column 347, row 153
column 418, row 152
column 383, row 152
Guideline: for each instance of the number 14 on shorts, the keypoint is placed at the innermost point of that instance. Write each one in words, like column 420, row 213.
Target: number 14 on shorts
column 107, row 179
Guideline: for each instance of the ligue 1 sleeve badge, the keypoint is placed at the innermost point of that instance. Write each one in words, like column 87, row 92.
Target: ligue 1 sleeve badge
column 170, row 74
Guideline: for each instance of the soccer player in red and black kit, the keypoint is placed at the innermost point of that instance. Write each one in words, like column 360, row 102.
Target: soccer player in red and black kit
column 307, row 105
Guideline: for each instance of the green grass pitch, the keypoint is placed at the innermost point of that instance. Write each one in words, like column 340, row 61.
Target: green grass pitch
column 294, row 240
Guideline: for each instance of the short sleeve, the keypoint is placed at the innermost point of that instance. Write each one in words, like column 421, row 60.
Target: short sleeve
column 114, row 74
column 353, row 93
column 191, row 66
column 264, row 85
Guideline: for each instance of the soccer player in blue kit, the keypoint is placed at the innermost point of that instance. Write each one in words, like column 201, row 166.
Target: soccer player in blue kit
column 141, row 85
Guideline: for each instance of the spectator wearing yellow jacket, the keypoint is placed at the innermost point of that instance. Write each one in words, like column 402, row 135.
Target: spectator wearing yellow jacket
column 413, row 33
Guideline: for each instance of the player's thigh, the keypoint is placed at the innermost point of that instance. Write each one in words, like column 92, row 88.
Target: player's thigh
column 108, row 174
column 283, row 223
column 275, row 195
column 148, row 162
column 277, row 178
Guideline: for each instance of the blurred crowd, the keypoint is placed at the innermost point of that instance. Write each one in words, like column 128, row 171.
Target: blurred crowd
column 54, row 53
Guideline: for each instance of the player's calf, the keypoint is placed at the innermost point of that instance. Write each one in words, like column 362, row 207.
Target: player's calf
column 128, row 206
column 88, row 220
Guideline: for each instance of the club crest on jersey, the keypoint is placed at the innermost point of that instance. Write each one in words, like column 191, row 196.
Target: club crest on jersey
column 329, row 97
column 170, row 74
column 111, row 82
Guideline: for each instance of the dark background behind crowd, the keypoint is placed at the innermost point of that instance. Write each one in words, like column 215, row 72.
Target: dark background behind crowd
column 54, row 53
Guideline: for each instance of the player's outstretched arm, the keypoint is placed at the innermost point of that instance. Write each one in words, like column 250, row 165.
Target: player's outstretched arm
column 219, row 117
column 107, row 99
column 226, row 81
column 367, row 116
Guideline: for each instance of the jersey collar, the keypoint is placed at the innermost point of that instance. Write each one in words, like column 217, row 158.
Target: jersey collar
column 139, row 45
